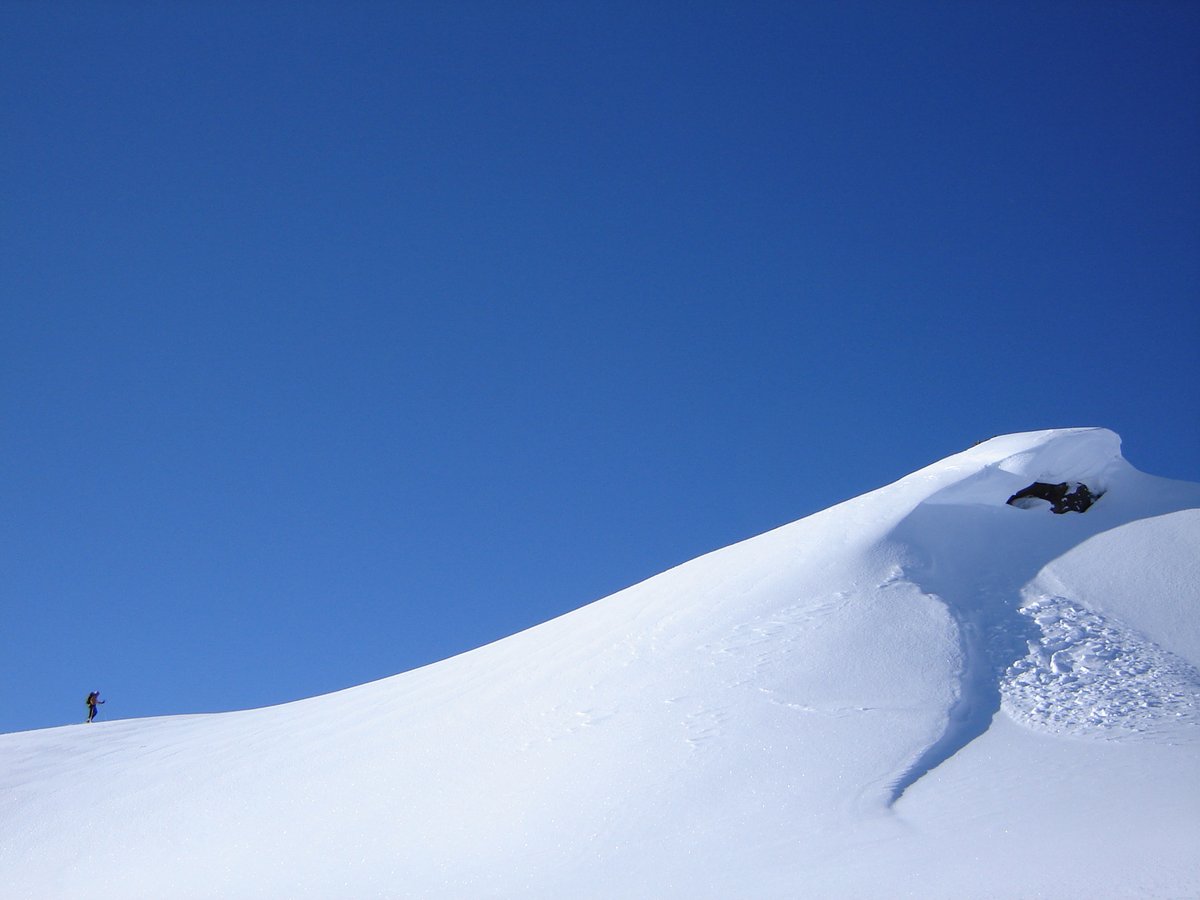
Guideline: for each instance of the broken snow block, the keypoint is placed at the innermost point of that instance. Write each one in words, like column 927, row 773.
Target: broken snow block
column 1064, row 497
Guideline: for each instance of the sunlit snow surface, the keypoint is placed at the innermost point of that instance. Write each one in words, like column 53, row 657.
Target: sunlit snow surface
column 920, row 692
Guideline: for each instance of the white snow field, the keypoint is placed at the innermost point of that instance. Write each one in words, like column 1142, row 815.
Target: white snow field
column 920, row 692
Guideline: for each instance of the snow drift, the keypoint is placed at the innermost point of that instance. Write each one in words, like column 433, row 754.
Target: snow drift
column 923, row 691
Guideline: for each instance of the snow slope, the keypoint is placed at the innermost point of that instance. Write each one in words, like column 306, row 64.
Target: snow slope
column 919, row 692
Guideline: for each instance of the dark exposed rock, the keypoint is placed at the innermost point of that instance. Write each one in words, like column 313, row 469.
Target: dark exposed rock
column 1067, row 496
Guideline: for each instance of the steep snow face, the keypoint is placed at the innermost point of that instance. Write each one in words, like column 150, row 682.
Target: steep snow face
column 817, row 710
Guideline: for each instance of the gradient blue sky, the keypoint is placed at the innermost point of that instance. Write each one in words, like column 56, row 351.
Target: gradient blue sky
column 337, row 338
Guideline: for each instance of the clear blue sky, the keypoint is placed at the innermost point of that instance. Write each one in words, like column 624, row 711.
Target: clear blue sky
column 337, row 338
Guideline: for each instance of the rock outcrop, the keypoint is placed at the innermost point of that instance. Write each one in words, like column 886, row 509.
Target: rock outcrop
column 1064, row 497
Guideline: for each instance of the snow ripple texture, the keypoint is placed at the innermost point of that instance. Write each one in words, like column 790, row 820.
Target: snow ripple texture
column 1090, row 676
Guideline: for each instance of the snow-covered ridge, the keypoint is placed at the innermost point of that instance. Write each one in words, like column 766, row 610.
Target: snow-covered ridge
column 860, row 703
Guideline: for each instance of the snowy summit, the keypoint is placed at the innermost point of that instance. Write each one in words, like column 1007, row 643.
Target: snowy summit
column 926, row 691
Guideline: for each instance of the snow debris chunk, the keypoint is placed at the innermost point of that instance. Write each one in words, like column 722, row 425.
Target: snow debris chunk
column 1089, row 675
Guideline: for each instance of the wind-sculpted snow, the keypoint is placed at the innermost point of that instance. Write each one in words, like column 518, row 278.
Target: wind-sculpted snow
column 816, row 711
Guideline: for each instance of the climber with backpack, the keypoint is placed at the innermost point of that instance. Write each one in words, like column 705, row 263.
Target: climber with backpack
column 92, row 700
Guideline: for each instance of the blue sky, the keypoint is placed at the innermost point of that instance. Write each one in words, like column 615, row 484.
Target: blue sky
column 337, row 338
